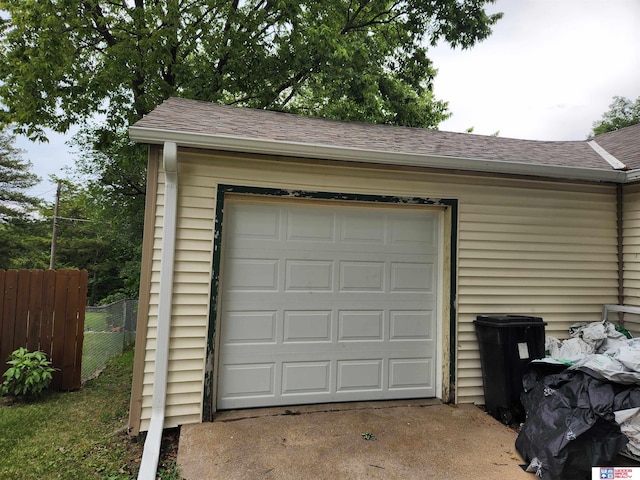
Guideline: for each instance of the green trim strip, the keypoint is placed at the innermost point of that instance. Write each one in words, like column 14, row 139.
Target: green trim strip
column 453, row 294
column 223, row 190
column 209, row 380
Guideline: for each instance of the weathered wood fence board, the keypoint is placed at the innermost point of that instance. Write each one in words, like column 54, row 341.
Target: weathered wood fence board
column 44, row 310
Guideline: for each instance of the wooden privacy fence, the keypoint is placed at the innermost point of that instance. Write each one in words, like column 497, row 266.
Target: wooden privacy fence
column 44, row 310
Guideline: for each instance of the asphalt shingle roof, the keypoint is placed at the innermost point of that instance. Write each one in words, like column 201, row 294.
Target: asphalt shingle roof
column 197, row 117
column 624, row 144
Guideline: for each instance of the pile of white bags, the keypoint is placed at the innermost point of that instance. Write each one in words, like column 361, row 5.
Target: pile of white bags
column 603, row 349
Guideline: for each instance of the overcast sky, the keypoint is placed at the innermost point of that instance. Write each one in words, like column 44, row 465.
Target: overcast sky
column 548, row 71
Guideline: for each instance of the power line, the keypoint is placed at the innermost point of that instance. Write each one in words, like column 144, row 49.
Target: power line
column 74, row 219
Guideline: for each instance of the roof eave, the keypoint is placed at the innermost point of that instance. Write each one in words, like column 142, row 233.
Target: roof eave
column 314, row 151
column 632, row 176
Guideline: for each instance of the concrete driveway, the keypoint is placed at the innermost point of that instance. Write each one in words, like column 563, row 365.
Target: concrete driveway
column 417, row 439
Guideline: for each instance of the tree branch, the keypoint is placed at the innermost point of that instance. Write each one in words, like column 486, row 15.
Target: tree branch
column 290, row 83
column 222, row 61
column 138, row 77
column 383, row 18
column 99, row 22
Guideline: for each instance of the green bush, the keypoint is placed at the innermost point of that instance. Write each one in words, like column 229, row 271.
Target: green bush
column 29, row 374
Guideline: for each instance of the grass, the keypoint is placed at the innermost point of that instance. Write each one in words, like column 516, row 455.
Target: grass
column 96, row 321
column 101, row 342
column 98, row 347
column 82, row 434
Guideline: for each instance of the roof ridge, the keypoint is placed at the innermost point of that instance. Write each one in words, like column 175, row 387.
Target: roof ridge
column 610, row 159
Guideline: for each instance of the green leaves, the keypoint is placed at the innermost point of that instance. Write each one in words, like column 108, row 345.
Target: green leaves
column 30, row 373
column 622, row 113
column 15, row 179
column 65, row 61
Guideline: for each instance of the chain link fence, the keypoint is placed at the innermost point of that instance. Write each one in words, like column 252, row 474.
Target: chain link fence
column 108, row 331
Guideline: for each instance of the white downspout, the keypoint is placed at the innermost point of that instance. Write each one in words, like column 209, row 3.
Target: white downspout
column 151, row 453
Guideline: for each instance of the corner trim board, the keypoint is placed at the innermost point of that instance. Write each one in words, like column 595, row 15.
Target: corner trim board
column 151, row 452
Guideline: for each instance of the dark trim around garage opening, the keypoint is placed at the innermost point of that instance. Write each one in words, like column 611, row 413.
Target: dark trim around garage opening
column 452, row 204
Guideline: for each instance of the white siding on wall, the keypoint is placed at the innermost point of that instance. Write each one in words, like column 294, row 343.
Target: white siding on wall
column 525, row 247
column 631, row 244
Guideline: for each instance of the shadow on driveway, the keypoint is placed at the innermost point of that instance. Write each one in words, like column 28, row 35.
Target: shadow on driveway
column 416, row 439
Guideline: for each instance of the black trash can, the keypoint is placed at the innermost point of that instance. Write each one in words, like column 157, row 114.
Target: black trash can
column 508, row 343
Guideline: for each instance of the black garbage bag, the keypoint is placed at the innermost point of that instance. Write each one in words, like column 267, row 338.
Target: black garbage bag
column 570, row 425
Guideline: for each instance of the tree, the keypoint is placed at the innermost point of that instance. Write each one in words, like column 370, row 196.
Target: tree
column 116, row 197
column 92, row 237
column 16, row 225
column 62, row 62
column 15, row 179
column 622, row 113
column 25, row 243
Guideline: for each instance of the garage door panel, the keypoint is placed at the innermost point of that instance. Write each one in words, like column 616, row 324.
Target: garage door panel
column 306, row 377
column 412, row 277
column 252, row 274
column 310, row 225
column 318, row 301
column 409, row 373
column 359, row 228
column 360, row 375
column 284, row 251
column 249, row 327
column 360, row 326
column 304, row 247
column 324, row 381
column 311, row 274
column 362, row 276
column 410, row 325
column 255, row 221
column 308, row 275
column 261, row 354
column 336, row 305
column 247, row 380
column 307, row 326
column 408, row 234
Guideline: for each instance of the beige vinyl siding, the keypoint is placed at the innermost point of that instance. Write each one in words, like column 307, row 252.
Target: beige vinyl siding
column 145, row 286
column 630, row 321
column 190, row 308
column 525, row 247
column 548, row 253
column 631, row 247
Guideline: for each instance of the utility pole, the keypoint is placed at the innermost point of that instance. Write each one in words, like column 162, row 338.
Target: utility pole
column 54, row 234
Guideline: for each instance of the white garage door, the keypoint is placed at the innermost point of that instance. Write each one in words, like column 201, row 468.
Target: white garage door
column 326, row 303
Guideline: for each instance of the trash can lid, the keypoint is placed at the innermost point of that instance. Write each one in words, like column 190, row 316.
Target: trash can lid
column 508, row 320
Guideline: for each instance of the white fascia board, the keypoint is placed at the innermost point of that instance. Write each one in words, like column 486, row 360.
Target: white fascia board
column 328, row 152
column 632, row 176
